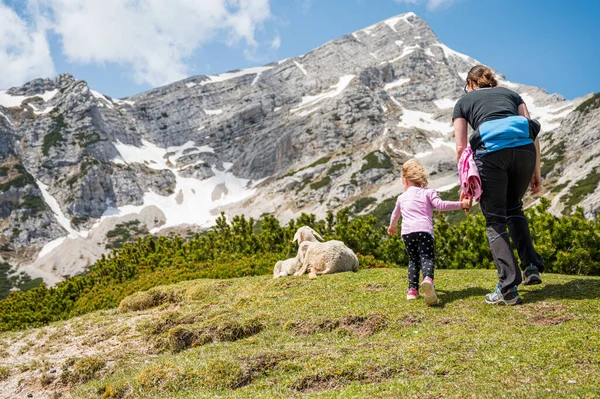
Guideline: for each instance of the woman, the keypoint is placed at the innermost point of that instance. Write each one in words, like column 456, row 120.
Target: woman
column 507, row 156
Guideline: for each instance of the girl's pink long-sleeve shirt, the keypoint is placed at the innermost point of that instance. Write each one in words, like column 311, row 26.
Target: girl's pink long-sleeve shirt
column 416, row 206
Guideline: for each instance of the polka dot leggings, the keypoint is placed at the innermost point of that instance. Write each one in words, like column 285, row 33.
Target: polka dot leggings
column 420, row 250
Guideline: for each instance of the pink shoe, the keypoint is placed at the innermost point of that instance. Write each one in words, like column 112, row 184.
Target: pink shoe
column 412, row 294
column 429, row 292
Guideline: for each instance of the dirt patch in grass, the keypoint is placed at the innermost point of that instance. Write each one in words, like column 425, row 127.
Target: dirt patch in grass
column 446, row 321
column 375, row 287
column 548, row 320
column 310, row 327
column 338, row 378
column 362, row 326
column 546, row 314
column 317, row 383
column 410, row 320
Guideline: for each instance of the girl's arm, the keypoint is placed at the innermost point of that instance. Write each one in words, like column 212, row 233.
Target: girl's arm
column 460, row 135
column 393, row 229
column 536, row 180
column 441, row 205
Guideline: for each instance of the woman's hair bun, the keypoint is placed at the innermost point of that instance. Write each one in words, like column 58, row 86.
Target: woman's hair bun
column 483, row 76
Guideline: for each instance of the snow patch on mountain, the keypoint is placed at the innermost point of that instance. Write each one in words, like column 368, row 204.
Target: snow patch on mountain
column 396, row 83
column 444, row 103
column 193, row 199
column 232, row 75
column 424, row 121
column 308, row 103
column 10, row 101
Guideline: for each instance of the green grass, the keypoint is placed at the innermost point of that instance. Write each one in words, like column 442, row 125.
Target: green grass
column 590, row 104
column 373, row 162
column 580, row 190
column 559, row 187
column 321, row 183
column 362, row 203
column 33, row 203
column 22, row 179
column 320, row 161
column 55, row 136
column 336, row 168
column 349, row 335
column 548, row 165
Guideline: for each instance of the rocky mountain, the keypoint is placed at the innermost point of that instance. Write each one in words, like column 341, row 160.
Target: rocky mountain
column 313, row 133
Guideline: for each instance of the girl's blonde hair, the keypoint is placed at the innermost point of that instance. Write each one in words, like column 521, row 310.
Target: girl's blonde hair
column 413, row 171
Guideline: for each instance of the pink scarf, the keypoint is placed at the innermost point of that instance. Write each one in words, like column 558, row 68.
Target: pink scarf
column 470, row 182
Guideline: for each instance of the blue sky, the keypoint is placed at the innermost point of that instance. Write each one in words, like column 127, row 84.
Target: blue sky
column 122, row 48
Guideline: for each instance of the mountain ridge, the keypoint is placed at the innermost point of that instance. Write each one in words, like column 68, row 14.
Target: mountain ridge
column 310, row 133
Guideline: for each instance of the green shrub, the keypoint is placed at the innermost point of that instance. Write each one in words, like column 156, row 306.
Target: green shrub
column 568, row 244
column 362, row 203
column 383, row 211
column 374, row 161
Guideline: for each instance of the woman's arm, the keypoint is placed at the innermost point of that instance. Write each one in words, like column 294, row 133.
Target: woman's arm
column 536, row 180
column 460, row 135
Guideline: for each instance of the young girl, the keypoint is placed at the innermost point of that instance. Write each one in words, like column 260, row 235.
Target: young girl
column 416, row 205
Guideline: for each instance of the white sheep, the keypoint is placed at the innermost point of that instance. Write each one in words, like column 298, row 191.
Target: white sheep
column 306, row 233
column 290, row 266
column 326, row 258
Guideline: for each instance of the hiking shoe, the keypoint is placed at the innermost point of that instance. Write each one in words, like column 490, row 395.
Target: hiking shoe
column 412, row 294
column 510, row 299
column 429, row 294
column 531, row 276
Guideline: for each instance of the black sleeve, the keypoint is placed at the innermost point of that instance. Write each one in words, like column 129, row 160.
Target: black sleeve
column 458, row 111
column 517, row 98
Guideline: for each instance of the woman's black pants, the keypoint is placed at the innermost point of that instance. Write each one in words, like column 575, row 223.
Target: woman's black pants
column 505, row 177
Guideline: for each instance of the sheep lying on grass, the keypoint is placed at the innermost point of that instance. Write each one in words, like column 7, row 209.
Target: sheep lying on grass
column 290, row 266
column 327, row 258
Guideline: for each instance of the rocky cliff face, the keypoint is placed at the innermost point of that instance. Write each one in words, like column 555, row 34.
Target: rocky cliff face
column 308, row 134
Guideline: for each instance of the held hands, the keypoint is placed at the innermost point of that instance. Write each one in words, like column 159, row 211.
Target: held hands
column 465, row 202
column 392, row 230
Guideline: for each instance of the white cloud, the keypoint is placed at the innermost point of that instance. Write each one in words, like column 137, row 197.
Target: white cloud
column 431, row 4
column 276, row 42
column 24, row 50
column 155, row 38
